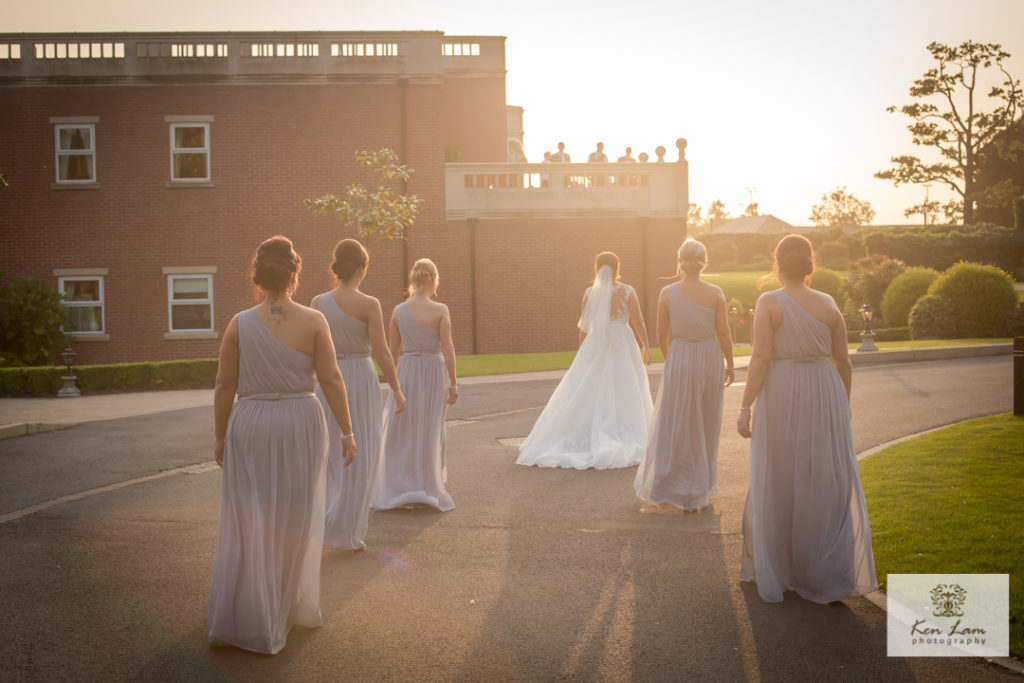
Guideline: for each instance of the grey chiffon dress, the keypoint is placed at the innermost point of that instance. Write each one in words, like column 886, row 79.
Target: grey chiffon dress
column 680, row 465
column 805, row 524
column 266, row 566
column 412, row 466
column 349, row 489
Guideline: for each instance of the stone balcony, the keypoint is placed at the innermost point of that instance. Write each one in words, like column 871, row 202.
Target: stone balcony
column 555, row 190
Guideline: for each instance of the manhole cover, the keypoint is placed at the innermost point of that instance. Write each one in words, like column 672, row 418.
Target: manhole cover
column 511, row 441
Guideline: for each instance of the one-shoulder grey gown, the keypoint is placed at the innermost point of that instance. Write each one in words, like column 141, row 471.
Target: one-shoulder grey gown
column 266, row 566
column 805, row 525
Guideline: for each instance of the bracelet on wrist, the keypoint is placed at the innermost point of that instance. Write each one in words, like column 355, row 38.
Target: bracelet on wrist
column 744, row 409
column 347, row 436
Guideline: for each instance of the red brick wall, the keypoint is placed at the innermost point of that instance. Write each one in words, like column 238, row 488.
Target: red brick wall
column 475, row 118
column 531, row 274
column 273, row 145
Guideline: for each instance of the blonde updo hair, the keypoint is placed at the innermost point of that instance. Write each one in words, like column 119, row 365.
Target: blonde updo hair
column 693, row 257
column 423, row 274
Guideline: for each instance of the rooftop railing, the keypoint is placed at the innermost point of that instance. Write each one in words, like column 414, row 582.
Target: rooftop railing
column 111, row 56
column 492, row 190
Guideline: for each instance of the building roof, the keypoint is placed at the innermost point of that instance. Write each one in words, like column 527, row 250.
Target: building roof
column 765, row 225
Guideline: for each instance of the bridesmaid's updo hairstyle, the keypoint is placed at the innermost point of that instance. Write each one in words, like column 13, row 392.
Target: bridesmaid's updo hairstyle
column 607, row 258
column 693, row 257
column 794, row 257
column 275, row 265
column 349, row 256
column 423, row 274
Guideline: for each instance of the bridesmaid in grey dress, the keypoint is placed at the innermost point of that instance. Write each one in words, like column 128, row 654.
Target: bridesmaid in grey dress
column 805, row 525
column 680, row 465
column 412, row 466
column 357, row 328
column 272, row 445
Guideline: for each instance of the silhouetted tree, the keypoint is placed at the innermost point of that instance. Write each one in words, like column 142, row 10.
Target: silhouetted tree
column 956, row 127
column 840, row 207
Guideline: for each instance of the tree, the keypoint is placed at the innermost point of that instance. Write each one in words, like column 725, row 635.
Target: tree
column 382, row 212
column 32, row 317
column 694, row 220
column 926, row 209
column 717, row 214
column 839, row 207
column 1001, row 175
column 956, row 127
column 751, row 209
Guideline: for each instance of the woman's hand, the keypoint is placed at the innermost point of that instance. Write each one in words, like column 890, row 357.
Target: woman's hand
column 399, row 401
column 730, row 376
column 645, row 353
column 218, row 452
column 743, row 423
column 348, row 449
column 453, row 395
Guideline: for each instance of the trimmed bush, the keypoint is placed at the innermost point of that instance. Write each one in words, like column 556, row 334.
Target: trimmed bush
column 1013, row 325
column 94, row 379
column 833, row 254
column 832, row 283
column 904, row 291
column 869, row 278
column 933, row 317
column 31, row 321
column 722, row 252
column 982, row 297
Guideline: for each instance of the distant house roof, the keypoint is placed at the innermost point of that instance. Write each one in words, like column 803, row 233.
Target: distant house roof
column 765, row 225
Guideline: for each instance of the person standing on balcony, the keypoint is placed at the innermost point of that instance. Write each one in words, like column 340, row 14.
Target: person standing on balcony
column 598, row 156
column 561, row 156
column 627, row 158
column 515, row 153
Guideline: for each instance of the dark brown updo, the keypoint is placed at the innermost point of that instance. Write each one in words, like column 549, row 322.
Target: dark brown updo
column 794, row 257
column 607, row 258
column 275, row 264
column 349, row 256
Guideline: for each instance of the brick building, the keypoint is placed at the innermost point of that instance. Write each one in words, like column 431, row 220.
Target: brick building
column 145, row 168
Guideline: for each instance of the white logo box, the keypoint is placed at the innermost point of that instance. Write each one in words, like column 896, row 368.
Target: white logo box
column 948, row 615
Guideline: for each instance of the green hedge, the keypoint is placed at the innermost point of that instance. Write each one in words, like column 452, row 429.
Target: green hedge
column 98, row 379
column 934, row 248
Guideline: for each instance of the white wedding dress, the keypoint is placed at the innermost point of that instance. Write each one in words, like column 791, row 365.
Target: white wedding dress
column 599, row 415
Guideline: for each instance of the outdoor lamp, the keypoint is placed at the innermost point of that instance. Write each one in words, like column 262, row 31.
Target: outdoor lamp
column 866, row 313
column 69, row 390
column 867, row 337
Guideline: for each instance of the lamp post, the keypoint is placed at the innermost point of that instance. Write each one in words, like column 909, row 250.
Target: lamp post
column 69, row 390
column 867, row 337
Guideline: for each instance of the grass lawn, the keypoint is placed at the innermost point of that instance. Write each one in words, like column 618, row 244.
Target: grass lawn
column 953, row 502
column 741, row 284
column 506, row 363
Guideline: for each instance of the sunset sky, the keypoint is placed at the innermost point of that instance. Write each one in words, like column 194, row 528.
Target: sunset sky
column 787, row 96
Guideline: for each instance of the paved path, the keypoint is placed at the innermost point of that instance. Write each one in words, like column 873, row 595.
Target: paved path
column 536, row 575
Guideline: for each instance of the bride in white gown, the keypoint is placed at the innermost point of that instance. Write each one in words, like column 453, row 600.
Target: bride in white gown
column 600, row 412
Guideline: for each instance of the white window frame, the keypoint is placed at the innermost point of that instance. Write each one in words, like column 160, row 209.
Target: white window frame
column 172, row 302
column 60, row 153
column 184, row 123
column 101, row 303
